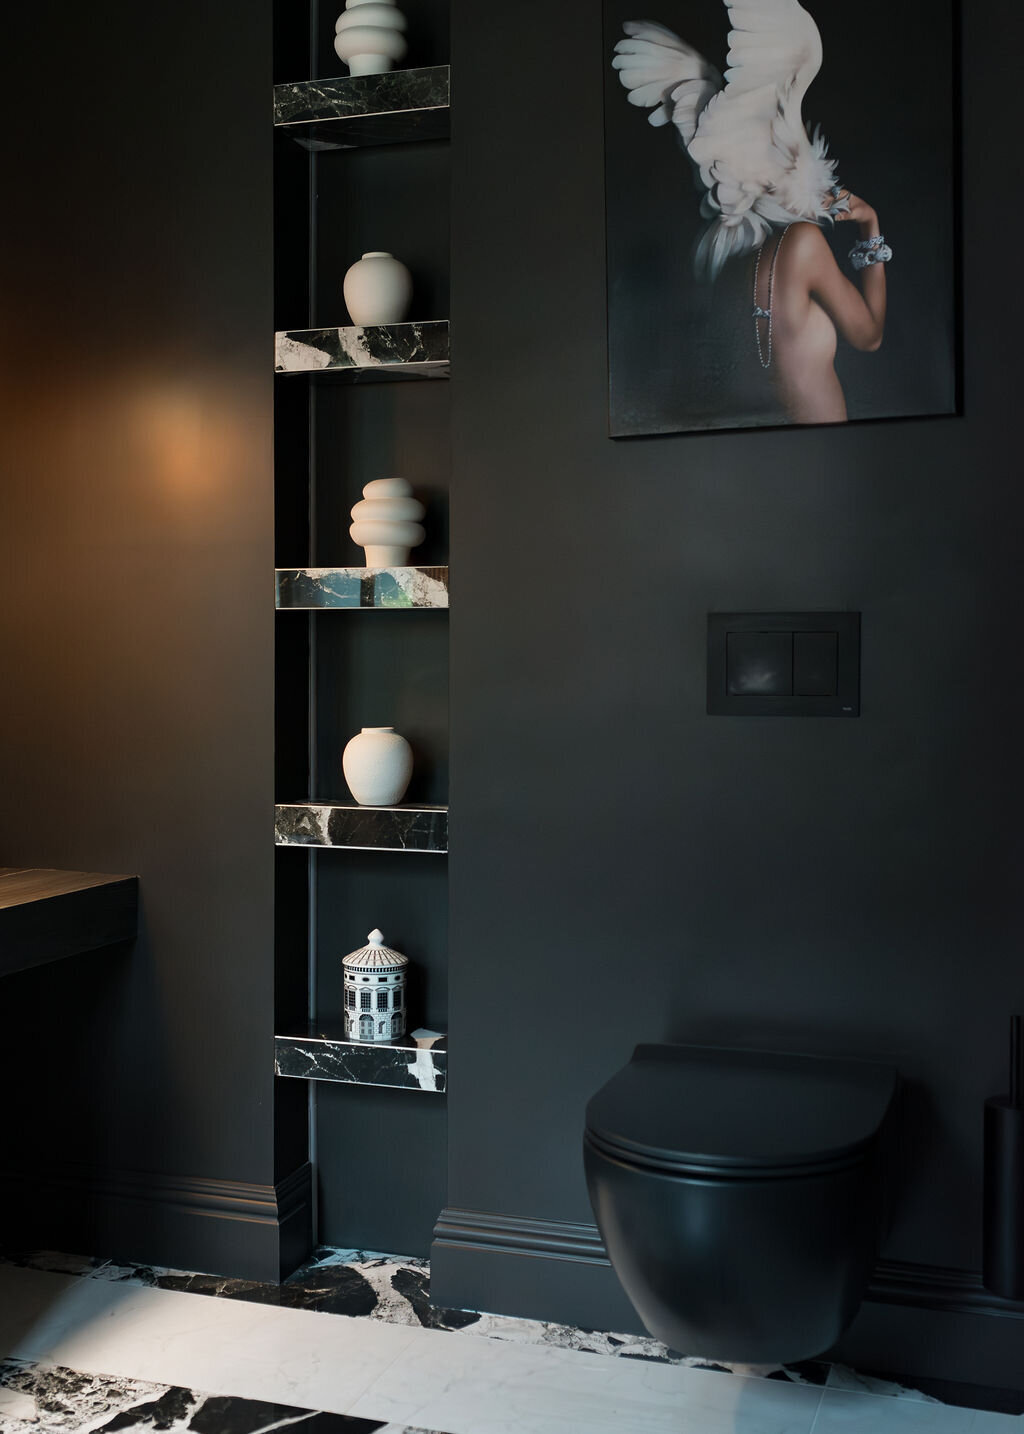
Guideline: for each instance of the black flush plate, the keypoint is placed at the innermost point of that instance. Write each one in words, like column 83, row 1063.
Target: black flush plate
column 784, row 664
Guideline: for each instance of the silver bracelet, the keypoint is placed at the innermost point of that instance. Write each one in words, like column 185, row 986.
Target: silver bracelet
column 870, row 251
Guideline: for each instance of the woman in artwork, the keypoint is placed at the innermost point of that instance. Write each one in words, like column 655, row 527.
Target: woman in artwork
column 769, row 190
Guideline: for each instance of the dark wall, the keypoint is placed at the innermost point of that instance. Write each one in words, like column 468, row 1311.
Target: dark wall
column 624, row 867
column 136, row 531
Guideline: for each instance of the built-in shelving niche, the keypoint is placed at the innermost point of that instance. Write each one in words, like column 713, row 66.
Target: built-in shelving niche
column 355, row 171
column 385, row 589
column 418, row 1062
column 356, row 111
column 422, row 829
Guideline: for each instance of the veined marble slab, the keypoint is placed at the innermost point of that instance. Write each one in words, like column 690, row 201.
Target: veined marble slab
column 37, row 1397
column 395, row 1290
column 419, row 1062
column 418, row 350
column 355, row 110
column 362, row 588
column 344, row 824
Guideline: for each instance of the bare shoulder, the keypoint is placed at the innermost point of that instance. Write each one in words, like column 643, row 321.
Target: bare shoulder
column 806, row 256
column 806, row 239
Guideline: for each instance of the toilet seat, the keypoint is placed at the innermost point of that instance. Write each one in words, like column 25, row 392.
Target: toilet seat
column 728, row 1114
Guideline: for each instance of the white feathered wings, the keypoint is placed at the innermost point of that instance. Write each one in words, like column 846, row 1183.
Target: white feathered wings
column 745, row 134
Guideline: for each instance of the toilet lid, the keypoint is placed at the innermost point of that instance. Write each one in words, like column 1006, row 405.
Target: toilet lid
column 744, row 1112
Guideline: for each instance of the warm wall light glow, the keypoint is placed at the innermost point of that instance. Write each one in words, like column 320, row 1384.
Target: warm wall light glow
column 187, row 440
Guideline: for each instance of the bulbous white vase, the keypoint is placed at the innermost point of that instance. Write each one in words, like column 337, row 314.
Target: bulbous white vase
column 378, row 289
column 387, row 523
column 377, row 766
column 369, row 36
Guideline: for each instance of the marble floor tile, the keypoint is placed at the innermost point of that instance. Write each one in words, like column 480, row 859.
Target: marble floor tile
column 472, row 1386
column 851, row 1412
column 394, row 1375
column 840, row 1377
column 41, row 1398
column 396, row 1289
column 250, row 1350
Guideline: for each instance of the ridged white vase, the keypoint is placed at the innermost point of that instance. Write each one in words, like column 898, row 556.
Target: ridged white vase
column 368, row 36
column 377, row 766
column 378, row 289
column 386, row 522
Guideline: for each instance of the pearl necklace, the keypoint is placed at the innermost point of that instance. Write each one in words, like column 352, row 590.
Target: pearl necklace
column 759, row 313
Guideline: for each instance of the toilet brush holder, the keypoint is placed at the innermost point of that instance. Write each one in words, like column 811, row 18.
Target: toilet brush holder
column 1003, row 1262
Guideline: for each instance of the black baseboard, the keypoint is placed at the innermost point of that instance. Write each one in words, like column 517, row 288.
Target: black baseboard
column 917, row 1319
column 222, row 1227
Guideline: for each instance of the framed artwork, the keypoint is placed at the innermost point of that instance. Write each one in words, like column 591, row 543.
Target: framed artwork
column 781, row 213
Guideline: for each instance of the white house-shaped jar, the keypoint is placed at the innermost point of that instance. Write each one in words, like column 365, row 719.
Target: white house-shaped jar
column 374, row 979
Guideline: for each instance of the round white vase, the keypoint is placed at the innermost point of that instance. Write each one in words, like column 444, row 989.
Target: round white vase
column 378, row 289
column 377, row 765
column 386, row 522
column 368, row 36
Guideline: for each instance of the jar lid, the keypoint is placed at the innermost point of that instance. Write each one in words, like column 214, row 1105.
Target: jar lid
column 376, row 955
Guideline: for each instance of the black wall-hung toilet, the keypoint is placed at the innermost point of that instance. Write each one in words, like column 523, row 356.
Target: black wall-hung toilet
column 740, row 1195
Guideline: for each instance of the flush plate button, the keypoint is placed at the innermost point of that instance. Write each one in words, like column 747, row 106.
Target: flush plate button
column 815, row 664
column 759, row 664
column 784, row 664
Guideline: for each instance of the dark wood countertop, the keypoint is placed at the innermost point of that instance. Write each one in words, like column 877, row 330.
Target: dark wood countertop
column 47, row 915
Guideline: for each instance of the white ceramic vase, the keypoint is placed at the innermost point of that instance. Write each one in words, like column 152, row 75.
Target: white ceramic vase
column 369, row 36
column 386, row 522
column 378, row 289
column 377, row 766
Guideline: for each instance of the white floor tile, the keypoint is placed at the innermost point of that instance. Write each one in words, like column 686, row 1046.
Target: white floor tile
column 404, row 1375
column 317, row 1361
column 986, row 1423
column 844, row 1412
column 465, row 1385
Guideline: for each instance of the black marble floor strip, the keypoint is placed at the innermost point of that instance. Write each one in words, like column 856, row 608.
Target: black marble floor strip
column 37, row 1397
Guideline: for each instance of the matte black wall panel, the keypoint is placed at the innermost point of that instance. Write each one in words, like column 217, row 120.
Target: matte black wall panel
column 406, row 895
column 381, row 1164
column 136, row 547
column 609, row 832
column 393, row 198
column 381, row 430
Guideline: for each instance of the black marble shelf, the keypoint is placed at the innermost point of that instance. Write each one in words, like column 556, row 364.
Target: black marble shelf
column 395, row 351
column 417, row 1062
column 354, row 111
column 48, row 915
column 344, row 824
column 380, row 588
